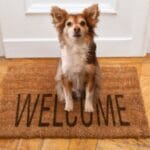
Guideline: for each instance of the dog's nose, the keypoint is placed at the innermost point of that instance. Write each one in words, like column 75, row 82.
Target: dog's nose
column 77, row 30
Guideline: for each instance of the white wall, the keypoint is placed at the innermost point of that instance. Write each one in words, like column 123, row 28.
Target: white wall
column 148, row 36
column 147, row 32
column 1, row 46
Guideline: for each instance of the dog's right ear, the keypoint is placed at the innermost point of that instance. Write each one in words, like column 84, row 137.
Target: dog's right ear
column 59, row 16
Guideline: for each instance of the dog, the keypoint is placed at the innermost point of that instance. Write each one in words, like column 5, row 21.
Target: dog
column 78, row 70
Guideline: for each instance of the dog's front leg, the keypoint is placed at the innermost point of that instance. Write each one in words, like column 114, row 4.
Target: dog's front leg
column 90, row 90
column 67, row 87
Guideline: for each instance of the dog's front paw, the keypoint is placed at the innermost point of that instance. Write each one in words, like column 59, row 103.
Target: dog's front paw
column 62, row 100
column 89, row 108
column 69, row 107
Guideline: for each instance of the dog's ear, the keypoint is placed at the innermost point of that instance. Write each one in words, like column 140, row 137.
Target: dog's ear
column 59, row 16
column 91, row 14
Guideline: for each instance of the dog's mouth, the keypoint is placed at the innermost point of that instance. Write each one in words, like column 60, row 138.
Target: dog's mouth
column 77, row 35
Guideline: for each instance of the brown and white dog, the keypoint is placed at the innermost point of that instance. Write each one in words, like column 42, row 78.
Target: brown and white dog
column 78, row 69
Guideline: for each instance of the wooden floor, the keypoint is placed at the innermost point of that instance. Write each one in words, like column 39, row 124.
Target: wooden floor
column 143, row 67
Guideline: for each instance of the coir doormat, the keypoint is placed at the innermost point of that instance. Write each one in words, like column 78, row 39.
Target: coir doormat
column 29, row 106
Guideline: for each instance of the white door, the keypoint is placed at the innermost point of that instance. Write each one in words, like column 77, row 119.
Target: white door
column 28, row 32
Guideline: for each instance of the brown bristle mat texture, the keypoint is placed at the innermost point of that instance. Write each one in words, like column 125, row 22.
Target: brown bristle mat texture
column 29, row 107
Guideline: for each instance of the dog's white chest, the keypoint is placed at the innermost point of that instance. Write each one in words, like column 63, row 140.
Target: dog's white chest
column 74, row 59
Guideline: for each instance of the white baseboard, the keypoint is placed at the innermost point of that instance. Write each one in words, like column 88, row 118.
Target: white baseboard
column 35, row 48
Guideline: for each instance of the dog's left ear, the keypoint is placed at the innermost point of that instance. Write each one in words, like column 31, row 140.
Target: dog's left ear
column 91, row 14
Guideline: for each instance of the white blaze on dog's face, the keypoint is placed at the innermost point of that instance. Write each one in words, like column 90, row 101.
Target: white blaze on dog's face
column 75, row 27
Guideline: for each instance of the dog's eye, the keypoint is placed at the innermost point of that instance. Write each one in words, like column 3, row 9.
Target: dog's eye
column 69, row 24
column 82, row 23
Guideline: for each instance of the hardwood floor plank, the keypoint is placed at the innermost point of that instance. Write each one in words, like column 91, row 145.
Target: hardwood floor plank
column 83, row 144
column 145, row 86
column 144, row 144
column 121, row 60
column 8, row 144
column 30, row 144
column 117, row 144
column 146, row 69
column 3, row 71
column 55, row 144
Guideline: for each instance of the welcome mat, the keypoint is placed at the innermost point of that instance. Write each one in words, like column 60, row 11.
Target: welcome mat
column 29, row 106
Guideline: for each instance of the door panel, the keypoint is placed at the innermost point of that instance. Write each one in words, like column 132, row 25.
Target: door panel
column 28, row 31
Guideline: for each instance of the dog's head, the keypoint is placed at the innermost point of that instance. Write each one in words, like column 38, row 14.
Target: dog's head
column 75, row 26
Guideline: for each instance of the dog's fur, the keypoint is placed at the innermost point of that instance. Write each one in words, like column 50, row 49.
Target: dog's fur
column 78, row 69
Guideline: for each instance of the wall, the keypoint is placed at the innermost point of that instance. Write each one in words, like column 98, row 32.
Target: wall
column 147, row 32
column 148, row 37
column 1, row 46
